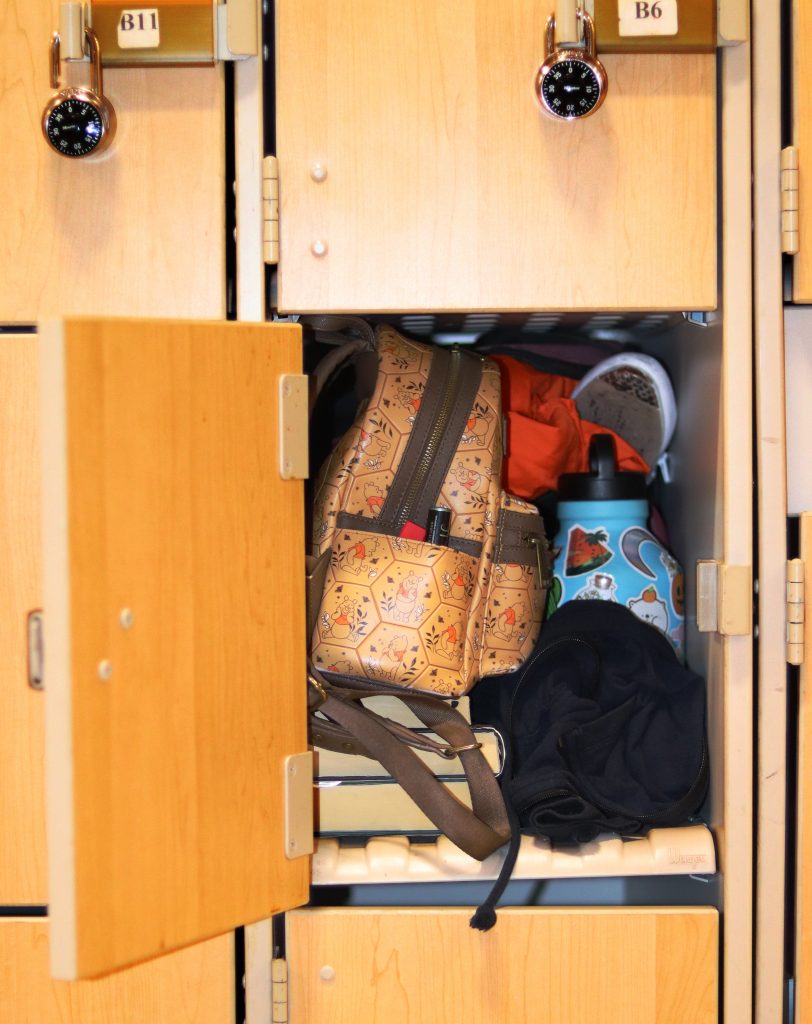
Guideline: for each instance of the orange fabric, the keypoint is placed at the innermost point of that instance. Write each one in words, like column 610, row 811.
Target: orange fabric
column 546, row 435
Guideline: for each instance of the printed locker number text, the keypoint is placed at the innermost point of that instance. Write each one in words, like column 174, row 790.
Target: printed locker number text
column 139, row 29
column 647, row 17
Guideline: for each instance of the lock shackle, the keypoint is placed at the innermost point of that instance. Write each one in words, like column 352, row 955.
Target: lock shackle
column 587, row 29
column 94, row 52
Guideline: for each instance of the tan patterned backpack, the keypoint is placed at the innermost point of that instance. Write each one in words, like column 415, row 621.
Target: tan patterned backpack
column 387, row 610
column 393, row 608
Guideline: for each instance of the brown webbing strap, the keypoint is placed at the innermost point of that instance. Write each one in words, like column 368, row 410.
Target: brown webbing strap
column 477, row 831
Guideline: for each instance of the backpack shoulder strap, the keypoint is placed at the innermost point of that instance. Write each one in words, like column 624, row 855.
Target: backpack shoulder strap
column 478, row 830
column 351, row 337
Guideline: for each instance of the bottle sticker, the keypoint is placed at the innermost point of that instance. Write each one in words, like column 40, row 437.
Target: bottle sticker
column 139, row 29
column 647, row 17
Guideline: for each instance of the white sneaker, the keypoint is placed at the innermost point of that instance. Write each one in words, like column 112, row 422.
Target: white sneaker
column 632, row 395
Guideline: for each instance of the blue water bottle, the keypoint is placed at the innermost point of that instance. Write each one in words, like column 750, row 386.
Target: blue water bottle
column 604, row 550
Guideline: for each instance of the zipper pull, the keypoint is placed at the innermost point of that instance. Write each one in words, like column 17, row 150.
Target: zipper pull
column 536, row 542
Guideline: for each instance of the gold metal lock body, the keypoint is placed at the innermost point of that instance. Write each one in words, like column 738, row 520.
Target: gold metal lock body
column 79, row 120
column 571, row 83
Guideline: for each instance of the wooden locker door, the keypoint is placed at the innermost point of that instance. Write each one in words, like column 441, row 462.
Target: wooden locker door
column 22, row 849
column 416, row 171
column 140, row 227
column 194, row 986
column 802, row 139
column 803, row 863
column 652, row 965
column 174, row 632
column 773, row 386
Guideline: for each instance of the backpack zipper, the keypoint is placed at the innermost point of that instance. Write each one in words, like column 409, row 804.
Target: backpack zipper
column 414, row 490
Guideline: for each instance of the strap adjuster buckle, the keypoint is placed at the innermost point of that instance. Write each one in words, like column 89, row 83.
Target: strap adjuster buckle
column 320, row 690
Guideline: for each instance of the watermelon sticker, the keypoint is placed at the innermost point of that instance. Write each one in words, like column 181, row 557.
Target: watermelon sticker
column 586, row 552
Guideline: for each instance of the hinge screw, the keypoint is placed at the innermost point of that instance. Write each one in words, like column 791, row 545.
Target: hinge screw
column 105, row 669
column 125, row 618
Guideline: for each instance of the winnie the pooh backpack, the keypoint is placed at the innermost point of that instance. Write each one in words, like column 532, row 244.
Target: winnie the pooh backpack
column 392, row 609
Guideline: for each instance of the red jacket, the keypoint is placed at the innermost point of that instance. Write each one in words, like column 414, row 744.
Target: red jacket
column 545, row 433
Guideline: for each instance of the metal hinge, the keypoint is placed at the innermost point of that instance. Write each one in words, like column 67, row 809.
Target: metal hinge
column 795, row 611
column 270, row 209
column 279, row 991
column 789, row 200
column 724, row 598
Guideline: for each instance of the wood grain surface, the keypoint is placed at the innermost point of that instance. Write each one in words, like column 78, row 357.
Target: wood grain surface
column 138, row 230
column 194, row 986
column 447, row 189
column 569, row 965
column 803, row 909
column 802, row 138
column 22, row 749
column 163, row 498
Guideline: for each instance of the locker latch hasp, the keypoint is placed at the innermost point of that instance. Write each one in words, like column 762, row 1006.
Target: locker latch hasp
column 724, row 598
column 795, row 611
column 293, row 426
column 299, row 841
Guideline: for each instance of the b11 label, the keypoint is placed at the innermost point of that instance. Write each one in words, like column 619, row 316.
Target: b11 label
column 139, row 29
column 647, row 17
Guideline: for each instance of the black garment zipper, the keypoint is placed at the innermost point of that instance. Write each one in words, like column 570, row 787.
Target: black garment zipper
column 414, row 489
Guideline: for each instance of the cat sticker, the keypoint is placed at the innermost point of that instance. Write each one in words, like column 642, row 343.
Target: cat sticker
column 650, row 608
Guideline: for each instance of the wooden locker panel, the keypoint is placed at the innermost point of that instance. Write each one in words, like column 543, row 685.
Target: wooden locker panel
column 22, row 741
column 803, row 863
column 802, row 138
column 568, row 965
column 194, row 986
column 140, row 227
column 447, row 189
column 174, row 603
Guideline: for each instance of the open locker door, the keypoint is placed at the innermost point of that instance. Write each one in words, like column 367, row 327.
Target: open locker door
column 174, row 635
column 803, row 896
column 802, row 141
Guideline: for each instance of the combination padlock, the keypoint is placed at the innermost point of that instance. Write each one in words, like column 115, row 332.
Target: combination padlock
column 572, row 82
column 79, row 121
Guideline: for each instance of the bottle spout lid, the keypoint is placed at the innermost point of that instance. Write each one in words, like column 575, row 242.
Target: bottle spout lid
column 603, row 482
